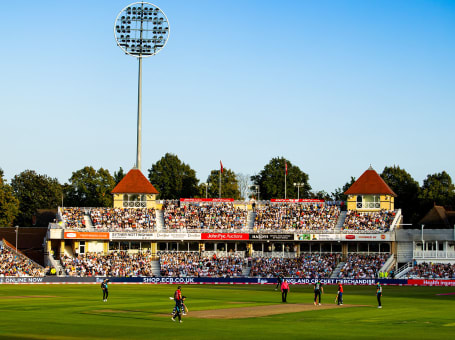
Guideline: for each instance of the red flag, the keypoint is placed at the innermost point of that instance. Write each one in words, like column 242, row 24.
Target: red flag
column 221, row 164
column 286, row 168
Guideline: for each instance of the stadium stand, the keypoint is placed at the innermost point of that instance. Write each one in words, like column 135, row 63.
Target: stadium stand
column 124, row 219
column 73, row 218
column 296, row 216
column 13, row 263
column 305, row 266
column 204, row 216
column 368, row 222
column 432, row 271
column 361, row 266
column 117, row 263
column 180, row 264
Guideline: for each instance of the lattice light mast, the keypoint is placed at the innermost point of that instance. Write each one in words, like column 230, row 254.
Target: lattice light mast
column 141, row 30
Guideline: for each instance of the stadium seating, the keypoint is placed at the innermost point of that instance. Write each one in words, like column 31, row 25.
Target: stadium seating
column 296, row 216
column 305, row 266
column 180, row 264
column 204, row 216
column 123, row 219
column 73, row 218
column 432, row 271
column 18, row 265
column 368, row 222
column 119, row 264
column 361, row 266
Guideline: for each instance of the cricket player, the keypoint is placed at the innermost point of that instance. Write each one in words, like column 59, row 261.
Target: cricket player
column 318, row 290
column 339, row 298
column 178, row 304
column 105, row 290
column 379, row 294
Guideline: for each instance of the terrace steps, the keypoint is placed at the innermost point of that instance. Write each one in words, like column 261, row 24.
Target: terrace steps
column 159, row 220
column 156, row 268
column 337, row 270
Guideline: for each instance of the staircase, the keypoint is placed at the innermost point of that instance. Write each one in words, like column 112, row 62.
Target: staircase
column 88, row 222
column 337, row 270
column 250, row 220
column 403, row 270
column 340, row 221
column 246, row 271
column 56, row 264
column 159, row 220
column 156, row 268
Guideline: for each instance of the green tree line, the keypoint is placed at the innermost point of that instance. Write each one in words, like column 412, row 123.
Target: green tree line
column 28, row 191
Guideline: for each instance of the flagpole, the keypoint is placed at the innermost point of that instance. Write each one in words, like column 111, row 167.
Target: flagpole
column 220, row 183
column 285, row 176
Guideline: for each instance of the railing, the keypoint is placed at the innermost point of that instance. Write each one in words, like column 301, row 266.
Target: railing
column 403, row 270
column 433, row 254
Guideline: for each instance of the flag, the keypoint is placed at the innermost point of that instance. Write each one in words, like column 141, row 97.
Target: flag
column 221, row 165
column 286, row 168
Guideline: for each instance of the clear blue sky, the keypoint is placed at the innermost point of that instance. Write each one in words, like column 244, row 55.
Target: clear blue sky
column 333, row 86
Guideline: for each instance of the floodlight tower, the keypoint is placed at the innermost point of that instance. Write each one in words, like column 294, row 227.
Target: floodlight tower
column 141, row 30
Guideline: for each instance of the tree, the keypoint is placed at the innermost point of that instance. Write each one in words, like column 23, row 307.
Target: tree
column 229, row 184
column 173, row 178
column 339, row 195
column 320, row 195
column 244, row 184
column 407, row 190
column 271, row 180
column 34, row 192
column 90, row 188
column 118, row 175
column 9, row 205
column 437, row 189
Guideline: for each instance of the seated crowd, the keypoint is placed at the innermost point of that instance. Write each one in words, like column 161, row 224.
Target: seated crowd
column 305, row 266
column 73, row 218
column 432, row 271
column 373, row 222
column 124, row 219
column 182, row 264
column 14, row 264
column 119, row 264
column 295, row 216
column 360, row 266
column 203, row 215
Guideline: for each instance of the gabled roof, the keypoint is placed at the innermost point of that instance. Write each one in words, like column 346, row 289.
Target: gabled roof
column 370, row 183
column 134, row 182
column 437, row 216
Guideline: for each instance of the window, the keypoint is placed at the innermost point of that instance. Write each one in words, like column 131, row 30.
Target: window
column 134, row 201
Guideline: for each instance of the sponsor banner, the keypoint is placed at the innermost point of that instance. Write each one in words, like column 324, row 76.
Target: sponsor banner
column 317, row 237
column 273, row 237
column 206, row 200
column 210, row 280
column 431, row 282
column 86, row 235
column 178, row 236
column 224, row 236
column 366, row 237
column 290, row 200
column 132, row 236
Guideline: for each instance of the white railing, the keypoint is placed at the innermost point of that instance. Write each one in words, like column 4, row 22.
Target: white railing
column 403, row 270
column 387, row 264
column 433, row 254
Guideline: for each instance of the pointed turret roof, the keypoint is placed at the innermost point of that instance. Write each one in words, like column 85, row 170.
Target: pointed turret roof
column 370, row 183
column 134, row 182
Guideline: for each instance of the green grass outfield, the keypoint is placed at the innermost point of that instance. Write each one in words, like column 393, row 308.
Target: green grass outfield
column 138, row 312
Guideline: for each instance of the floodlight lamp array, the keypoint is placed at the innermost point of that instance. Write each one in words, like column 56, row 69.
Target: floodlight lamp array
column 141, row 29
